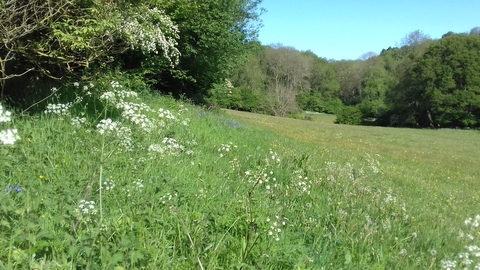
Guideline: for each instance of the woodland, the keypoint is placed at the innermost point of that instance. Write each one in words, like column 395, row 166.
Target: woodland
column 419, row 83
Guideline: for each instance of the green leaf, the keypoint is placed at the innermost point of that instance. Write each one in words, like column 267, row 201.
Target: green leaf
column 73, row 250
column 136, row 255
column 5, row 223
column 348, row 257
column 117, row 257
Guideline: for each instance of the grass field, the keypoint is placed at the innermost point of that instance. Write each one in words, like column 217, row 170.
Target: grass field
column 150, row 183
column 438, row 169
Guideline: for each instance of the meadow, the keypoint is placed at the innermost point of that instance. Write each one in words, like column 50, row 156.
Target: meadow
column 114, row 179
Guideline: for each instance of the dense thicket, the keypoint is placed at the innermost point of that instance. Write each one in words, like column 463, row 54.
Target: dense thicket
column 422, row 83
column 179, row 46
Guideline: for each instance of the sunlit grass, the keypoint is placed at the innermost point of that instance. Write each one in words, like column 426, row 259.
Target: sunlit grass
column 174, row 186
column 435, row 171
column 444, row 160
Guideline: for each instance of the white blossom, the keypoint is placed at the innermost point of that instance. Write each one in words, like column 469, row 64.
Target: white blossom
column 152, row 31
column 9, row 136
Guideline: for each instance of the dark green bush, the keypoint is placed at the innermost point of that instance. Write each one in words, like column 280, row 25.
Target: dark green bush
column 350, row 115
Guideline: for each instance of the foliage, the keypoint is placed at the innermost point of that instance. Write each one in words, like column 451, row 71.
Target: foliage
column 213, row 38
column 350, row 75
column 399, row 62
column 282, row 75
column 183, row 46
column 22, row 45
column 78, row 38
column 288, row 72
column 388, row 89
column 350, row 115
column 445, row 83
column 227, row 96
column 415, row 38
column 323, row 79
column 252, row 73
column 316, row 102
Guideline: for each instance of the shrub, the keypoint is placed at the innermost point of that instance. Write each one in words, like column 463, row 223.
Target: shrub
column 350, row 115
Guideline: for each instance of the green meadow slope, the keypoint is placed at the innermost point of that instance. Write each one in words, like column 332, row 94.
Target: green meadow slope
column 440, row 168
column 146, row 182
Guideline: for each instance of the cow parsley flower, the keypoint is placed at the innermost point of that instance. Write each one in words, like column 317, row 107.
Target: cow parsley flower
column 87, row 207
column 8, row 136
column 108, row 184
column 107, row 125
column 5, row 116
column 78, row 122
column 59, row 109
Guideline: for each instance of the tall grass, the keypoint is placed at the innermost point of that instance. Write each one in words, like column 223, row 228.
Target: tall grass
column 120, row 181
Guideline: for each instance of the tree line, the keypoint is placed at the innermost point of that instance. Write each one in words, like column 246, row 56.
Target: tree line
column 419, row 83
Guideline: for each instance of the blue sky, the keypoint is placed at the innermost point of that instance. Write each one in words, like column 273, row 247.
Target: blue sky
column 346, row 29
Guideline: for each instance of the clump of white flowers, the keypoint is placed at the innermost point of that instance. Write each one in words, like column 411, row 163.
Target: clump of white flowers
column 275, row 227
column 59, row 109
column 169, row 146
column 108, row 184
column 86, row 210
column 8, row 136
column 302, row 182
column 226, row 148
column 117, row 95
column 172, row 146
column 152, row 31
column 109, row 127
column 162, row 113
column 78, row 122
column 470, row 257
column 87, row 207
column 133, row 113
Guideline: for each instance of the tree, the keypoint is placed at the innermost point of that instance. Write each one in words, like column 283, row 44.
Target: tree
column 414, row 38
column 367, row 56
column 21, row 21
column 65, row 38
column 252, row 73
column 446, row 83
column 324, row 86
column 350, row 75
column 398, row 63
column 375, row 83
column 214, row 37
column 288, row 71
column 475, row 31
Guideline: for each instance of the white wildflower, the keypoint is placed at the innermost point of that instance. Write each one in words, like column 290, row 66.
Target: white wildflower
column 9, row 136
column 107, row 125
column 78, row 122
column 87, row 207
column 59, row 109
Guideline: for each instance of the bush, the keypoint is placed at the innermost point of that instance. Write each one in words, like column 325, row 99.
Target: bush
column 350, row 115
column 241, row 99
column 319, row 103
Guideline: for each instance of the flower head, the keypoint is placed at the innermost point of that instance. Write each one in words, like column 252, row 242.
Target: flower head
column 16, row 188
column 9, row 136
